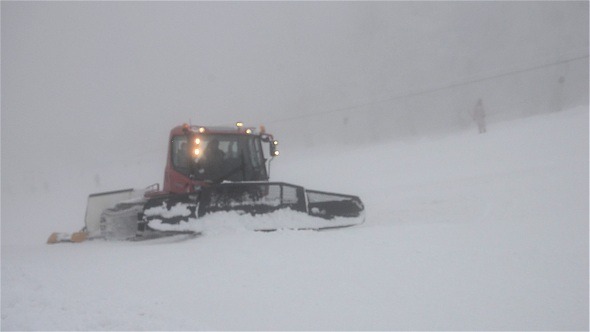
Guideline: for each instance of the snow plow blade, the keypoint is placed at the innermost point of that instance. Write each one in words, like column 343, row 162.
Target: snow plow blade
column 94, row 221
column 310, row 209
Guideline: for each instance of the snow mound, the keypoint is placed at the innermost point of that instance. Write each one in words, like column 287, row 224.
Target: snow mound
column 232, row 221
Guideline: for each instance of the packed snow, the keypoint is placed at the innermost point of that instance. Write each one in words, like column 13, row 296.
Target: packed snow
column 462, row 232
column 282, row 219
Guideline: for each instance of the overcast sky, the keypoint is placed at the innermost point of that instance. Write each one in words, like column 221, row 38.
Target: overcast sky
column 93, row 87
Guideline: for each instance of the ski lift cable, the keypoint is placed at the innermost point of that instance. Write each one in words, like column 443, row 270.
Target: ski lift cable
column 429, row 91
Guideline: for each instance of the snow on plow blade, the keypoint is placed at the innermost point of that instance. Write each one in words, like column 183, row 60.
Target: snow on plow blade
column 267, row 202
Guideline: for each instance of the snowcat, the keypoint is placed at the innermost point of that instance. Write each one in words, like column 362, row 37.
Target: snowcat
column 211, row 171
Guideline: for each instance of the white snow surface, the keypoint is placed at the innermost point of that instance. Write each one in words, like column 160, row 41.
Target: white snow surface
column 462, row 232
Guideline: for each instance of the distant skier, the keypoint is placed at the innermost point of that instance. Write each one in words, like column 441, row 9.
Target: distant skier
column 479, row 115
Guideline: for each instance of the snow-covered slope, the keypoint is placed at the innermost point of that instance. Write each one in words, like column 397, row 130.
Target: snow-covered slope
column 465, row 231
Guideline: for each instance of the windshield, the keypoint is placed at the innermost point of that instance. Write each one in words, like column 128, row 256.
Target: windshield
column 217, row 157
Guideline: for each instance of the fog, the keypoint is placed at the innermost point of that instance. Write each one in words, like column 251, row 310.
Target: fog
column 90, row 90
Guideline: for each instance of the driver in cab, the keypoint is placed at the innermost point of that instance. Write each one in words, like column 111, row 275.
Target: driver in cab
column 212, row 160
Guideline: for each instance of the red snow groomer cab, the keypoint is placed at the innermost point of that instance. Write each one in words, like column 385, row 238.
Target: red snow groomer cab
column 199, row 155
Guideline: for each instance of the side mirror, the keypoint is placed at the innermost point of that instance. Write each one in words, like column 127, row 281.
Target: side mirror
column 267, row 138
column 274, row 152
